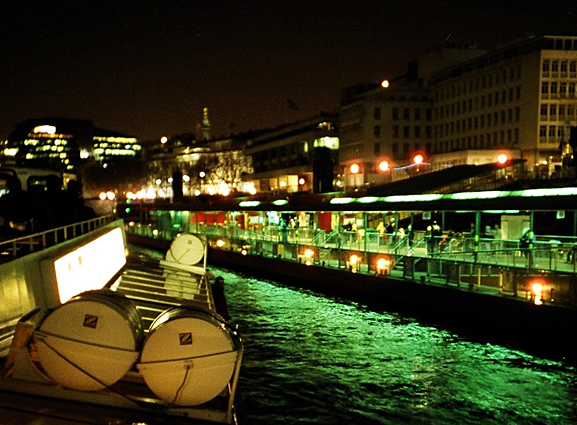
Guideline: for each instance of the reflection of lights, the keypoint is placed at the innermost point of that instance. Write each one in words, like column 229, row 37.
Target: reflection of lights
column 354, row 168
column 220, row 243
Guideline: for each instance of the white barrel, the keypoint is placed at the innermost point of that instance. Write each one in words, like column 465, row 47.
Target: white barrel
column 91, row 341
column 185, row 249
column 188, row 357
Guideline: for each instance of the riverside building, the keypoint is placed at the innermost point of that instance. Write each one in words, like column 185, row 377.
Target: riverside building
column 518, row 99
column 61, row 143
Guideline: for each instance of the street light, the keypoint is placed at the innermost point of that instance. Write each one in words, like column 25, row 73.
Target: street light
column 384, row 166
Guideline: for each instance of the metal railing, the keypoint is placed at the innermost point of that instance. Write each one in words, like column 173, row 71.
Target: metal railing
column 16, row 247
column 481, row 265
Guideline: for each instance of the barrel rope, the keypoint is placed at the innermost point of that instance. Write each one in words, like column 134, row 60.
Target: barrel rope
column 203, row 356
column 41, row 334
column 181, row 386
column 70, row 362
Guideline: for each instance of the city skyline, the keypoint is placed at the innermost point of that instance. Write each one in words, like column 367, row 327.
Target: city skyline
column 149, row 71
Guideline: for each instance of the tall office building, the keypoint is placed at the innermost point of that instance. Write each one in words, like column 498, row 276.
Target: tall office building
column 60, row 143
column 519, row 98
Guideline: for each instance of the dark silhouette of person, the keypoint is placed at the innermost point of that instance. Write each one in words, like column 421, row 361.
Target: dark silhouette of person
column 16, row 209
column 219, row 298
column 79, row 212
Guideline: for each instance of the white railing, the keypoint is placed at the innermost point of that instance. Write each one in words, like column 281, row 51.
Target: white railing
column 16, row 247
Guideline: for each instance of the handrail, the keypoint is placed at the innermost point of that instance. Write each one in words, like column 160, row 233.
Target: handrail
column 41, row 240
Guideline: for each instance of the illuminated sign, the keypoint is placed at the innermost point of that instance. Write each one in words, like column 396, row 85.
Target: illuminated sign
column 90, row 266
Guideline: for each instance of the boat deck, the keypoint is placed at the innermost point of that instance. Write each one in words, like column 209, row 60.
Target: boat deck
column 153, row 287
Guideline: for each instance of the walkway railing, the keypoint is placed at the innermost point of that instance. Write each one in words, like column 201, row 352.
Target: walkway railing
column 494, row 266
column 15, row 247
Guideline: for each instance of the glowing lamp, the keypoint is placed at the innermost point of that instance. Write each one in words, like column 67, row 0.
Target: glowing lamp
column 220, row 243
column 383, row 265
column 418, row 159
column 502, row 159
column 309, row 255
column 384, row 166
column 385, row 83
column 354, row 169
column 537, row 289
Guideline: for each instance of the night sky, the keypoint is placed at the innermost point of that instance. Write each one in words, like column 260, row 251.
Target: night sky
column 148, row 68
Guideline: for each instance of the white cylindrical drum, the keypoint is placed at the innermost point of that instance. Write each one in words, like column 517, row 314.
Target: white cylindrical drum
column 188, row 357
column 91, row 341
column 185, row 249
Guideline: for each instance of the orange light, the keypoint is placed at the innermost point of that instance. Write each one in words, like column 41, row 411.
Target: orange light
column 537, row 289
column 502, row 158
column 220, row 243
column 383, row 165
column 355, row 168
column 383, row 263
column 385, row 83
column 418, row 159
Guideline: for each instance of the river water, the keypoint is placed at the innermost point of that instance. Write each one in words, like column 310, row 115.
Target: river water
column 312, row 359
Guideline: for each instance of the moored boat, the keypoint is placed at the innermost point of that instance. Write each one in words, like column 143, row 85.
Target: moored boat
column 143, row 340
